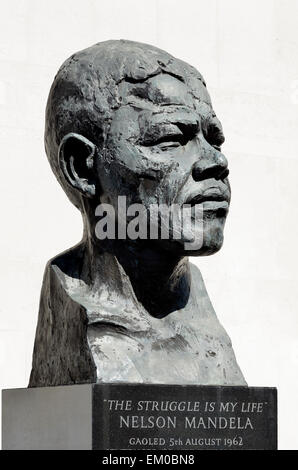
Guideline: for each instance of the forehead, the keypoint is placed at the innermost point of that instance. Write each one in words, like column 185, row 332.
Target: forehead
column 165, row 90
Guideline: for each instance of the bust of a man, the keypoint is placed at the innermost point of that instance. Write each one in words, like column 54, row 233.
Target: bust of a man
column 127, row 121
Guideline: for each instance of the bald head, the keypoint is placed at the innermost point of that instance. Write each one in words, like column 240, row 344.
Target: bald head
column 95, row 82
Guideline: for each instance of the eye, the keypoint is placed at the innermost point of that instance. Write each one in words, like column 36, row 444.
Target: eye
column 170, row 141
column 170, row 136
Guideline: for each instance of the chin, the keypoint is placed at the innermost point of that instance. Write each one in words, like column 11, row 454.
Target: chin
column 213, row 237
column 211, row 244
column 208, row 248
column 208, row 241
column 203, row 241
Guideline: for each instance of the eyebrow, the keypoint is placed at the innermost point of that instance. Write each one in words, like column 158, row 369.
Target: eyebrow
column 182, row 114
column 134, row 100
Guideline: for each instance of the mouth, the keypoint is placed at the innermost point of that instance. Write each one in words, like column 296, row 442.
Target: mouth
column 213, row 200
column 210, row 194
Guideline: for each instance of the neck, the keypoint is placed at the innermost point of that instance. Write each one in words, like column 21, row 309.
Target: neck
column 159, row 279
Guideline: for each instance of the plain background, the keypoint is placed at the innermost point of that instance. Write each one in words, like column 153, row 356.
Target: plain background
column 248, row 53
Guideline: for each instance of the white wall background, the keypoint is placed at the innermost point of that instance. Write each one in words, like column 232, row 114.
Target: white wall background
column 248, row 54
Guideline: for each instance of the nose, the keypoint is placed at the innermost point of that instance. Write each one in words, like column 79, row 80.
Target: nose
column 211, row 166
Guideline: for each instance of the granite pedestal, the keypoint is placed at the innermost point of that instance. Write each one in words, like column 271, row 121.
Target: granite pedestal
column 134, row 416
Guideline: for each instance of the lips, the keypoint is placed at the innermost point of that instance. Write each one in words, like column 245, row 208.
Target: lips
column 209, row 194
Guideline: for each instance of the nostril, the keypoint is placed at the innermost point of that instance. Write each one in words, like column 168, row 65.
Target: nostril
column 200, row 174
column 218, row 172
column 224, row 174
column 196, row 173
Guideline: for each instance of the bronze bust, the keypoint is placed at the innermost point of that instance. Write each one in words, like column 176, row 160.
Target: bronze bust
column 127, row 119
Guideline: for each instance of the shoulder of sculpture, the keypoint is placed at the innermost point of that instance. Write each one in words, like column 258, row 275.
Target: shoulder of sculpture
column 60, row 275
column 67, row 260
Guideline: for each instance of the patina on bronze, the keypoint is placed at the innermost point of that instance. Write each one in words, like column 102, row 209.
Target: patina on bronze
column 128, row 119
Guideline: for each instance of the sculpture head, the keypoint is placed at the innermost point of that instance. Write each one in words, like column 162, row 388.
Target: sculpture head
column 128, row 119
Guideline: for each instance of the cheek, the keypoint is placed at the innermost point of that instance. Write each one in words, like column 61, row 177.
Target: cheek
column 179, row 173
column 143, row 175
column 160, row 183
column 116, row 180
column 166, row 173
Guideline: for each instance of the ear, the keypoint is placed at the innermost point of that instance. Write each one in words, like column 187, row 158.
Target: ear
column 76, row 160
